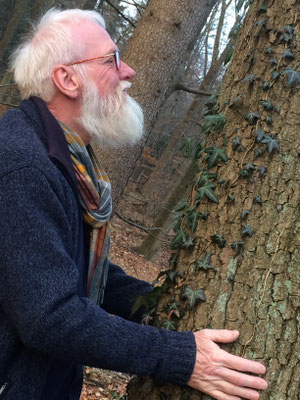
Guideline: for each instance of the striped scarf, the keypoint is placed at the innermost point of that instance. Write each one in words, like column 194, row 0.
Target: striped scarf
column 95, row 198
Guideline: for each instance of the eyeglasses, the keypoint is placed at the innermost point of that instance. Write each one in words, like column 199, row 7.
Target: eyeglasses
column 116, row 56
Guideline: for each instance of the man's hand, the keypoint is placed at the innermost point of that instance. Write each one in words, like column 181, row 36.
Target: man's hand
column 216, row 372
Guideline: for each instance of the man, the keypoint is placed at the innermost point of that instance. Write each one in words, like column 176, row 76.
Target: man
column 62, row 303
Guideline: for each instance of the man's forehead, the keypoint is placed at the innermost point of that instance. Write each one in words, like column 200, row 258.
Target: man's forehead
column 94, row 37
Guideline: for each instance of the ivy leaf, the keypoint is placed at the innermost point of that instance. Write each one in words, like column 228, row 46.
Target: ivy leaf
column 288, row 54
column 204, row 263
column 216, row 121
column 262, row 170
column 146, row 300
column 266, row 85
column 245, row 214
column 277, row 109
column 260, row 135
column 237, row 246
column 289, row 29
column 205, row 178
column 234, row 31
column 247, row 231
column 269, row 50
column 262, row 22
column 249, row 78
column 147, row 319
column 267, row 105
column 178, row 239
column 257, row 200
column 187, row 242
column 181, row 206
column 287, row 34
column 193, row 296
column 264, row 7
column 187, row 148
column 231, row 197
column 173, row 260
column 214, row 155
column 207, row 191
column 293, row 75
column 204, row 215
column 272, row 143
column 258, row 152
column 236, row 143
column 252, row 117
column 269, row 120
column 212, row 101
column 275, row 75
column 273, row 61
column 228, row 56
column 219, row 240
column 247, row 171
column 169, row 325
column 192, row 220
column 250, row 166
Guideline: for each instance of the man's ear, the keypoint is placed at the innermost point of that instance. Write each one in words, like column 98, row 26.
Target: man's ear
column 66, row 81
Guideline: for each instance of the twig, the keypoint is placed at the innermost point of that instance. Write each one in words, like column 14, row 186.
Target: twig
column 129, row 221
column 149, row 202
column 144, row 228
column 8, row 84
column 120, row 13
column 8, row 104
column 180, row 86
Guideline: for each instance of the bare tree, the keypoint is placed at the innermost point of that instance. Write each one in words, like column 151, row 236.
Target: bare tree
column 157, row 51
column 239, row 267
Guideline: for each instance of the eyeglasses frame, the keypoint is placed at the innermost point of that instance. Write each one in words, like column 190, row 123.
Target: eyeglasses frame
column 116, row 56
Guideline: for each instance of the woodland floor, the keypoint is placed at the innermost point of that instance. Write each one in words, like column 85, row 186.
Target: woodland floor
column 102, row 384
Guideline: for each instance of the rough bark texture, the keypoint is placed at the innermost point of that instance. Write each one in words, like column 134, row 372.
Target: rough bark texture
column 256, row 287
column 157, row 50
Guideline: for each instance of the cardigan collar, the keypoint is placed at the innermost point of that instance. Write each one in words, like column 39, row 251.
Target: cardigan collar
column 52, row 134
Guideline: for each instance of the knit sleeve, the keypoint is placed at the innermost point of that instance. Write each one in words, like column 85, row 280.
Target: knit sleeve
column 38, row 292
column 121, row 291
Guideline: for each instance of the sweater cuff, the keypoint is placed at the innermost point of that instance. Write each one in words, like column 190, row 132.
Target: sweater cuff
column 178, row 357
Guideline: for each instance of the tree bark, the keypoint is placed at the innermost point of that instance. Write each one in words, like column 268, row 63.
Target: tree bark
column 157, row 50
column 253, row 282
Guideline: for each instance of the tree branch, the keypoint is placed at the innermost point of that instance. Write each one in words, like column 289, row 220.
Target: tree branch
column 8, row 104
column 180, row 86
column 8, row 84
column 143, row 228
column 120, row 13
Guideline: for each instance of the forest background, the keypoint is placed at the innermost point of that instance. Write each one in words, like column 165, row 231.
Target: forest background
column 214, row 181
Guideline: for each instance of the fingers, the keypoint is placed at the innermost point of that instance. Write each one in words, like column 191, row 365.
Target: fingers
column 241, row 379
column 217, row 394
column 242, row 364
column 235, row 390
column 221, row 335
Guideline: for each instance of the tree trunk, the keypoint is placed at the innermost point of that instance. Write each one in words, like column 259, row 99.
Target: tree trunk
column 157, row 50
column 176, row 187
column 251, row 239
column 155, row 237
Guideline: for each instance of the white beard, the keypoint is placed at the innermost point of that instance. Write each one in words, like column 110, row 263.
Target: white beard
column 114, row 121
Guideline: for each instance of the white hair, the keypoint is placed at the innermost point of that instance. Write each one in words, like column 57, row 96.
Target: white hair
column 113, row 121
column 50, row 43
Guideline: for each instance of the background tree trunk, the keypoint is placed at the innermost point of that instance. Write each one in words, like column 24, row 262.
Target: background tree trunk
column 252, row 279
column 157, row 50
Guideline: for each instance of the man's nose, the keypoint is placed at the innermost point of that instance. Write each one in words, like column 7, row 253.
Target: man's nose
column 125, row 72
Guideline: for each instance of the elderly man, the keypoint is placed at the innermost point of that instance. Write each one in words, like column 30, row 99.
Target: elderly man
column 62, row 303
